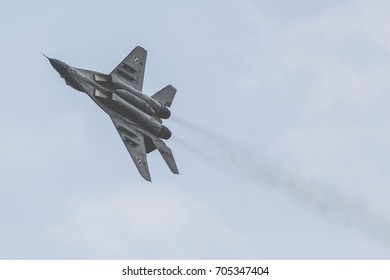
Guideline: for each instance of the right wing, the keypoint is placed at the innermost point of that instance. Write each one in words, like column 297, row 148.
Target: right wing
column 132, row 69
column 135, row 144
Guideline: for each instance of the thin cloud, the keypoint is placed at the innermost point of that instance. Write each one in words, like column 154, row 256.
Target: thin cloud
column 143, row 222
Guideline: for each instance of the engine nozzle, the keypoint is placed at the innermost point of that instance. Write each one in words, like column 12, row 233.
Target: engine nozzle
column 164, row 113
column 165, row 133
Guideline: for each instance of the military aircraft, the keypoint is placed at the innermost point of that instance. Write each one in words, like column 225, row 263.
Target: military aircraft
column 136, row 116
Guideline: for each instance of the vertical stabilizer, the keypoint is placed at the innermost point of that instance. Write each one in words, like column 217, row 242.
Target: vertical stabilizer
column 165, row 96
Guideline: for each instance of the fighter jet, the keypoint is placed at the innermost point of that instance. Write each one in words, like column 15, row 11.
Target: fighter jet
column 136, row 116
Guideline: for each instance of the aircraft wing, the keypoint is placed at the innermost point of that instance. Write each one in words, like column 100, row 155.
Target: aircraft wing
column 132, row 69
column 135, row 145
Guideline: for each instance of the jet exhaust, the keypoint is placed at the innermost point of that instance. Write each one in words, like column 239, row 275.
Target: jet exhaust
column 238, row 160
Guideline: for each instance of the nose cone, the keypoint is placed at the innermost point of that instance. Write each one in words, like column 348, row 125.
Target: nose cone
column 61, row 67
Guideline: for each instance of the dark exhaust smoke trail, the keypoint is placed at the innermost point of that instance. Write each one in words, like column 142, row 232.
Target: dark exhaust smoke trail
column 239, row 160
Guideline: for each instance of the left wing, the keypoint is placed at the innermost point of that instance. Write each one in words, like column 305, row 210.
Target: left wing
column 135, row 144
column 132, row 69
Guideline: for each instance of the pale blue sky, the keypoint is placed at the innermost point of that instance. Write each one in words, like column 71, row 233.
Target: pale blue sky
column 281, row 133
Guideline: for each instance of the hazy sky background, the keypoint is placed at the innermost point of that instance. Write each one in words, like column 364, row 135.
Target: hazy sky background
column 280, row 131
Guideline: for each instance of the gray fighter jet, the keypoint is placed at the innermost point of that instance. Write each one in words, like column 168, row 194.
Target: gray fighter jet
column 136, row 116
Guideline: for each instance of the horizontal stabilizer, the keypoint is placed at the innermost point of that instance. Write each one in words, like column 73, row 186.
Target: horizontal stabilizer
column 165, row 96
column 167, row 155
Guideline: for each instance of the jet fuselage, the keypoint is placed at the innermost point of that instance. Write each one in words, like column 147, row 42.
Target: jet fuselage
column 117, row 97
column 137, row 117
